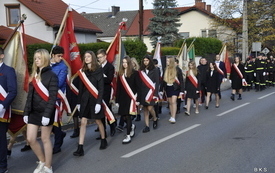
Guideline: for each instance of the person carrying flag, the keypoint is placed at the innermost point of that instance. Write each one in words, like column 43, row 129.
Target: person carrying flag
column 222, row 71
column 8, row 92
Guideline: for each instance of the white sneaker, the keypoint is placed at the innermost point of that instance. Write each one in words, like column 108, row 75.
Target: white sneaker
column 39, row 167
column 132, row 133
column 172, row 120
column 47, row 170
column 126, row 140
column 194, row 106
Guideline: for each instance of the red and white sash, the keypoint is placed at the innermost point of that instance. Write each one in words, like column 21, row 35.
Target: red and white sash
column 149, row 83
column 133, row 106
column 193, row 78
column 219, row 70
column 92, row 89
column 44, row 94
column 244, row 83
column 5, row 115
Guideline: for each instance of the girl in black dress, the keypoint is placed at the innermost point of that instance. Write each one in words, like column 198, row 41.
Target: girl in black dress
column 40, row 108
column 127, row 87
column 237, row 78
column 212, row 84
column 192, row 87
column 89, row 104
column 173, row 86
column 149, row 90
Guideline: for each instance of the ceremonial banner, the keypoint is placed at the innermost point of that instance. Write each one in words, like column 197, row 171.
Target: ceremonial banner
column 157, row 55
column 224, row 57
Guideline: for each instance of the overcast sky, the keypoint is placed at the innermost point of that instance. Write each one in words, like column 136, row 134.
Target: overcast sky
column 95, row 6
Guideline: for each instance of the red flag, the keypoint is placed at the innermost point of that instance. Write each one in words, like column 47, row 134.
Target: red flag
column 68, row 42
column 224, row 57
column 157, row 55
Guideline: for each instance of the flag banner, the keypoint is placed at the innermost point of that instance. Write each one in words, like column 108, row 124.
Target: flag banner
column 157, row 56
column 16, row 57
column 191, row 52
column 224, row 57
column 182, row 57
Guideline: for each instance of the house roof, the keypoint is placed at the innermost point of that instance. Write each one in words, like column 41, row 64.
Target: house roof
column 147, row 15
column 52, row 11
column 6, row 33
column 109, row 23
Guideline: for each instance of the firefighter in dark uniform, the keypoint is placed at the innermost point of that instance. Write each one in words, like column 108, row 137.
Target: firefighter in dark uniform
column 269, row 70
column 260, row 72
column 249, row 70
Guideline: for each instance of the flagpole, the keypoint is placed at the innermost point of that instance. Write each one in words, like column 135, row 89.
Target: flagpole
column 14, row 31
column 191, row 44
column 60, row 28
column 222, row 49
column 181, row 49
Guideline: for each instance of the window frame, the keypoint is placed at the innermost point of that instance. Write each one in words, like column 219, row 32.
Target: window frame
column 9, row 7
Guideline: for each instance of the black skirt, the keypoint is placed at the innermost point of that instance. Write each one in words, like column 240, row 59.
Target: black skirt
column 171, row 92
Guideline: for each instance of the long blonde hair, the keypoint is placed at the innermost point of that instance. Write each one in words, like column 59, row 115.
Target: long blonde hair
column 170, row 71
column 134, row 60
column 194, row 69
column 45, row 57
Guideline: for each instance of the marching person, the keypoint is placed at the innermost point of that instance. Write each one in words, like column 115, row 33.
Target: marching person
column 91, row 87
column 108, row 73
column 237, row 78
column 149, row 91
column 40, row 109
column 260, row 72
column 222, row 71
column 249, row 71
column 212, row 84
column 8, row 92
column 136, row 67
column 61, row 71
column 173, row 86
column 127, row 91
column 192, row 87
column 203, row 67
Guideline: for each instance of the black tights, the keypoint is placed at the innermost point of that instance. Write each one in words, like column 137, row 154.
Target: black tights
column 128, row 120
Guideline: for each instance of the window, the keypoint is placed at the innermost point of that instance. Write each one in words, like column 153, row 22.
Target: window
column 184, row 34
column 13, row 14
column 203, row 33
column 212, row 33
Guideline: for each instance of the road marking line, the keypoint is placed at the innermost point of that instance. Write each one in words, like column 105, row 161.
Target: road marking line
column 266, row 95
column 159, row 141
column 232, row 109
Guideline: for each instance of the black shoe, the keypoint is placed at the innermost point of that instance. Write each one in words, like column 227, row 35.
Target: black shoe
column 133, row 117
column 26, row 148
column 3, row 170
column 206, row 107
column 239, row 98
column 103, row 144
column 97, row 130
column 56, row 150
column 232, row 97
column 79, row 151
column 217, row 106
column 9, row 153
column 155, row 124
column 138, row 117
column 146, row 129
column 113, row 129
column 178, row 111
column 75, row 134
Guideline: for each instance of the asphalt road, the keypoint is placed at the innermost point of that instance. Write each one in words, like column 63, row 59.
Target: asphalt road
column 237, row 137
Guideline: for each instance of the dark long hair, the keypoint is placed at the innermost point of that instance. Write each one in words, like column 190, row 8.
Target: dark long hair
column 94, row 66
column 150, row 66
column 130, row 67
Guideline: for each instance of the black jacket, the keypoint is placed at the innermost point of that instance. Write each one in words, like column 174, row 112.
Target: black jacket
column 35, row 103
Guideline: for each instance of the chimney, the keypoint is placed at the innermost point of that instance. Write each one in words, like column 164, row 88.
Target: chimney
column 115, row 9
column 200, row 4
column 208, row 8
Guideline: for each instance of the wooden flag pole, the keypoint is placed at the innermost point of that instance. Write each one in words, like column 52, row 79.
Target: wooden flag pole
column 72, row 114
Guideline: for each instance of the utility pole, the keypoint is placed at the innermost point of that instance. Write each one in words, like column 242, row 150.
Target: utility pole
column 245, row 32
column 140, row 20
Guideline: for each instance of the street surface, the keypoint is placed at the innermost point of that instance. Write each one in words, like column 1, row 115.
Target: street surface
column 237, row 137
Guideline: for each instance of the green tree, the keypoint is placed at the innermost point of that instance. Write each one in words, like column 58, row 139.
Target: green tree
column 164, row 23
column 261, row 19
